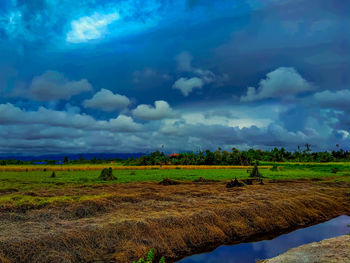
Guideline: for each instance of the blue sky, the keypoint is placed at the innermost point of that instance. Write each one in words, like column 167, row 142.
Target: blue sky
column 131, row 76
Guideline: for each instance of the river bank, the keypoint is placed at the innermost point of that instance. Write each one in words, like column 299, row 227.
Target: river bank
column 177, row 220
column 333, row 250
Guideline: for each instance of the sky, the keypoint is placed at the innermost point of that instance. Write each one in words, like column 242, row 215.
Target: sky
column 173, row 75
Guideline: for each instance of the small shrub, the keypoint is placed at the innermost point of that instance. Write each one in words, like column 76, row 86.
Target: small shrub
column 53, row 175
column 107, row 174
column 177, row 168
column 255, row 172
column 132, row 173
column 150, row 258
column 44, row 169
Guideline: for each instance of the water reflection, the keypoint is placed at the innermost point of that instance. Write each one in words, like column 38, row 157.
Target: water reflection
column 250, row 252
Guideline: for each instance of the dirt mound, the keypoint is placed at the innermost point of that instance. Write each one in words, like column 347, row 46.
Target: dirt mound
column 167, row 181
column 234, row 183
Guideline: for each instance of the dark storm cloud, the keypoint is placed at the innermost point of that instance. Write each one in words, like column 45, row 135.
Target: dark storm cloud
column 75, row 74
column 54, row 86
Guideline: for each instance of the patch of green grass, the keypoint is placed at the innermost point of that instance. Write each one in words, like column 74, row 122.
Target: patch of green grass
column 34, row 180
column 16, row 187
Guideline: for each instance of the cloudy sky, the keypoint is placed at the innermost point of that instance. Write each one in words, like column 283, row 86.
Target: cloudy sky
column 141, row 75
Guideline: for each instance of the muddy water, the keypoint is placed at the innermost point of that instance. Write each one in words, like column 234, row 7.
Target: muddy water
column 250, row 252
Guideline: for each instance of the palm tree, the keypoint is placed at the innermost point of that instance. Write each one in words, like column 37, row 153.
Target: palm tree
column 308, row 147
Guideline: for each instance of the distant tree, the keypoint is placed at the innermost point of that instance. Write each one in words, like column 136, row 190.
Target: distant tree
column 308, row 148
column 66, row 160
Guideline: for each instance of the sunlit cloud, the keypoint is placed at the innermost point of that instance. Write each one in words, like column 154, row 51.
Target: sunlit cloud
column 90, row 27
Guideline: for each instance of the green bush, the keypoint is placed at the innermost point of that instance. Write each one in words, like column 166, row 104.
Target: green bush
column 150, row 258
column 107, row 174
column 255, row 172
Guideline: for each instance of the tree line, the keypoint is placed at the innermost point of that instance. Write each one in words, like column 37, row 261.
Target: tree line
column 237, row 157
column 218, row 157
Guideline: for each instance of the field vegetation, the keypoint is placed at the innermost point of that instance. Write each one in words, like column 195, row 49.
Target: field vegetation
column 19, row 185
column 117, row 212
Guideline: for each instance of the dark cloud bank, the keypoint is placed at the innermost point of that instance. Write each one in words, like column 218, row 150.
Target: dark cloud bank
column 132, row 76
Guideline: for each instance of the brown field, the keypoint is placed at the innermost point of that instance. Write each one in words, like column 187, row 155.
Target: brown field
column 128, row 219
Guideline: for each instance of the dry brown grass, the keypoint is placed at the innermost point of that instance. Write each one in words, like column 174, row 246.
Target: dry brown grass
column 177, row 220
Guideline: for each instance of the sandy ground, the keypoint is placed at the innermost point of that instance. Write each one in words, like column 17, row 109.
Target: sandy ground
column 177, row 220
column 334, row 250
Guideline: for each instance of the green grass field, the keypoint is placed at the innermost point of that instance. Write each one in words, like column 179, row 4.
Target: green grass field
column 18, row 188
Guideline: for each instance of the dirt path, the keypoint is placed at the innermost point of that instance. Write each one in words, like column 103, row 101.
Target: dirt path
column 176, row 220
column 334, row 250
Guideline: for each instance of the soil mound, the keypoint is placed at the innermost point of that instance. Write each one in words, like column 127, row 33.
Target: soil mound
column 234, row 183
column 167, row 181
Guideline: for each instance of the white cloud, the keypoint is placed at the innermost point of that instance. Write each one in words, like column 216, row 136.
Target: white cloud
column 125, row 124
column 201, row 118
column 53, row 85
column 162, row 110
column 90, row 27
column 12, row 115
column 281, row 83
column 107, row 101
column 46, row 130
column 201, row 76
column 337, row 100
column 187, row 85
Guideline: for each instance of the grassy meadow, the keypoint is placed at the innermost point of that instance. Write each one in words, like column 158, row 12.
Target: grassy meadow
column 33, row 185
